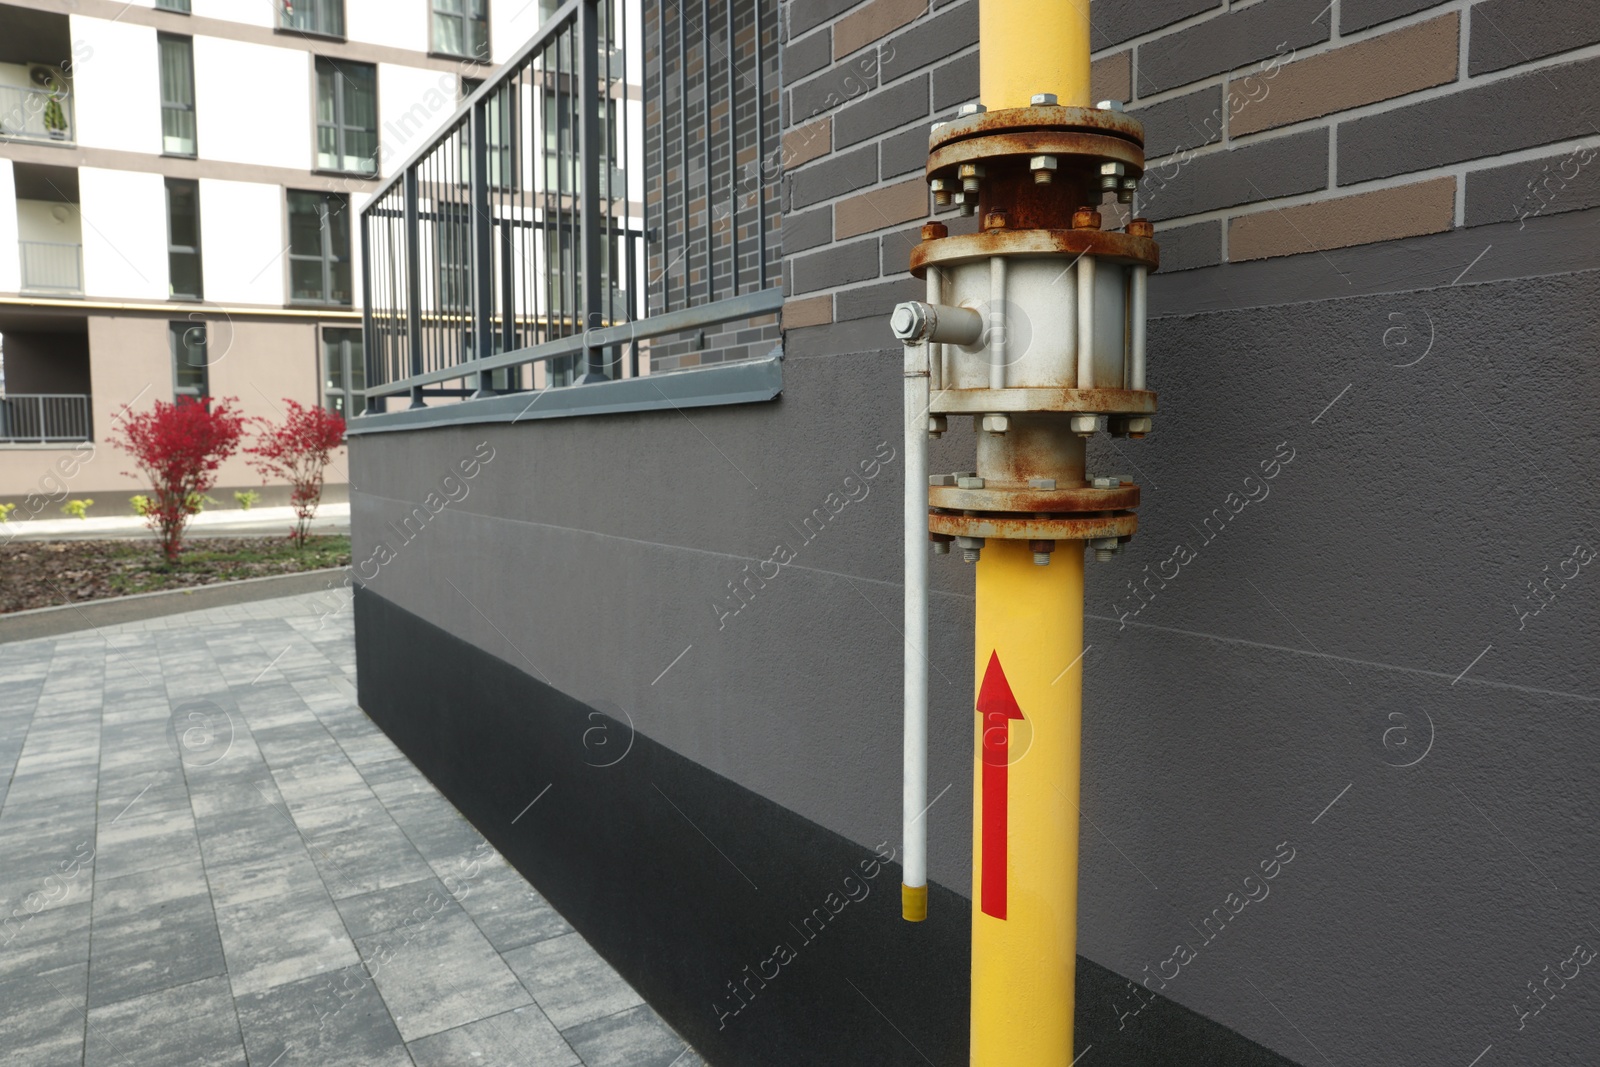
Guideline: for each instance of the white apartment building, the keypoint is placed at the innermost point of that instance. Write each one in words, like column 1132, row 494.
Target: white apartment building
column 179, row 183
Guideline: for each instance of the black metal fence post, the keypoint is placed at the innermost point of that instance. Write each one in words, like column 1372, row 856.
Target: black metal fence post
column 414, row 283
column 481, row 277
column 590, row 270
column 369, row 357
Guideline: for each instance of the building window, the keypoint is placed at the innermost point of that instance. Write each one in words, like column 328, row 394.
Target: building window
column 347, row 116
column 180, row 6
column 322, row 17
column 183, row 238
column 344, row 372
column 177, row 95
column 453, row 237
column 461, row 28
column 188, row 358
column 319, row 248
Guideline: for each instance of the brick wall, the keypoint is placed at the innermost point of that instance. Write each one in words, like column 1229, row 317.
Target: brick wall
column 1273, row 127
column 712, row 122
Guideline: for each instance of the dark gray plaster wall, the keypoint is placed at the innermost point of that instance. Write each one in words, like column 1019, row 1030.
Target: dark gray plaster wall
column 1362, row 614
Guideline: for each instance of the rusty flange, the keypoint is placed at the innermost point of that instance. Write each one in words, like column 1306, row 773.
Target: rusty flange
column 1027, row 528
column 1069, row 499
column 942, row 163
column 1111, row 245
column 1019, row 119
column 1039, row 398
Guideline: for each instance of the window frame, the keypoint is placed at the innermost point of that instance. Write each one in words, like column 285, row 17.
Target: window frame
column 177, row 332
column 322, row 7
column 335, row 69
column 327, row 257
column 466, row 19
column 177, row 107
column 177, row 7
column 174, row 249
column 347, row 400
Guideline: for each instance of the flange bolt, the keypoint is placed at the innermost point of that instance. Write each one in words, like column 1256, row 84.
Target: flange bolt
column 1141, row 228
column 970, row 548
column 941, row 192
column 1086, row 218
column 1044, row 100
column 1044, row 169
column 1105, row 549
column 1041, row 552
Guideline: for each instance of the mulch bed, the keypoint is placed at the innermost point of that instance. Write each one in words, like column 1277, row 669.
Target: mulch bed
column 41, row 574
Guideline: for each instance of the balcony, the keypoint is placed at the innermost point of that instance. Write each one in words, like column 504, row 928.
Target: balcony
column 36, row 114
column 44, row 418
column 51, row 267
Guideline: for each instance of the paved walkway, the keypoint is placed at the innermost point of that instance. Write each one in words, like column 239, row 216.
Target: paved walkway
column 201, row 839
column 257, row 522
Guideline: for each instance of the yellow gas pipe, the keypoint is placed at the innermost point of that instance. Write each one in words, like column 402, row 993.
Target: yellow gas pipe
column 1030, row 621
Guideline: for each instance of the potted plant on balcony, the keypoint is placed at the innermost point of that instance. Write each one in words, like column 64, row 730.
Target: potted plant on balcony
column 55, row 115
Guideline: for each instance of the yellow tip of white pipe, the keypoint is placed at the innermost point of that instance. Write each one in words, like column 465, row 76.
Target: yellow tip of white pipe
column 914, row 903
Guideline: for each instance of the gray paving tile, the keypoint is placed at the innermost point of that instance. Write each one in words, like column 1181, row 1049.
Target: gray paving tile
column 358, row 848
column 570, row 981
column 43, row 1018
column 186, row 1026
column 633, row 1038
column 508, row 910
column 143, row 841
column 327, row 1020
column 278, row 939
column 435, row 827
column 390, row 908
column 522, row 1036
column 152, row 930
column 440, row 973
column 33, row 942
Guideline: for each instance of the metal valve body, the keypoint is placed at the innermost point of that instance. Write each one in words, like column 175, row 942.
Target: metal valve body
column 1061, row 301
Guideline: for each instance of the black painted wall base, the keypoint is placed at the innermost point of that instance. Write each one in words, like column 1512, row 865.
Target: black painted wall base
column 762, row 937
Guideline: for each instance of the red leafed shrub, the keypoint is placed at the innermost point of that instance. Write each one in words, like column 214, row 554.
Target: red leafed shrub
column 296, row 451
column 178, row 448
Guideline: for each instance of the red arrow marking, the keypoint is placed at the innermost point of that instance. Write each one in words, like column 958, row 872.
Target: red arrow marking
column 998, row 706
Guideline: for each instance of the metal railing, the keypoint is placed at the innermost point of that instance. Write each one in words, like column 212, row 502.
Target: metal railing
column 29, row 114
column 44, row 418
column 51, row 266
column 520, row 236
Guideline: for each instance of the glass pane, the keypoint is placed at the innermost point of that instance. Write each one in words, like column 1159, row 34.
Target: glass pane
column 177, row 132
column 341, row 283
column 177, row 71
column 305, row 279
column 479, row 29
column 325, row 92
column 339, row 227
column 361, row 150
column 184, row 271
column 305, row 225
column 328, row 148
column 447, row 34
column 183, row 214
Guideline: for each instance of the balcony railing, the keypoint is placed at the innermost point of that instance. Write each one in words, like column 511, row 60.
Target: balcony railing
column 44, row 418
column 29, row 114
column 522, row 236
column 51, row 267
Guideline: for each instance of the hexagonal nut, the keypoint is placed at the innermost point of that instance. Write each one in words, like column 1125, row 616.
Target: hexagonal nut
column 970, row 170
column 1141, row 228
column 1086, row 218
column 1139, row 424
column 1084, row 425
column 972, row 482
column 1041, row 483
column 994, row 220
column 1110, row 105
column 958, row 475
column 996, row 423
column 1044, row 100
column 1103, row 482
column 938, row 423
column 933, row 231
column 1043, row 163
column 941, row 479
column 972, row 109
column 1113, row 169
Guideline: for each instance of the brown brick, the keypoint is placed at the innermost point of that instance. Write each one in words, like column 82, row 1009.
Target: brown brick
column 1111, row 78
column 1379, row 68
column 880, row 209
column 872, row 21
column 1384, row 215
column 812, row 311
column 808, row 142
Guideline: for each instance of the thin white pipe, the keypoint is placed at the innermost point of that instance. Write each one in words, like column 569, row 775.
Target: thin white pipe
column 1138, row 305
column 914, row 799
column 997, row 322
column 1085, row 272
